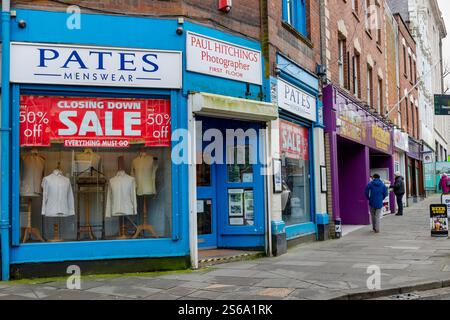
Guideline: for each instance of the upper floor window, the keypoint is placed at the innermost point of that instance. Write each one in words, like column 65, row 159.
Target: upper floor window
column 367, row 14
column 341, row 59
column 380, row 96
column 369, row 86
column 405, row 65
column 411, row 77
column 356, row 78
column 294, row 14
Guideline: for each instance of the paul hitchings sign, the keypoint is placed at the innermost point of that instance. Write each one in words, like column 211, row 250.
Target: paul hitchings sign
column 98, row 66
column 296, row 101
column 222, row 59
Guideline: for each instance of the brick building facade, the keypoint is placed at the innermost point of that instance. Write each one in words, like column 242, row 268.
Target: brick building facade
column 408, row 120
column 355, row 49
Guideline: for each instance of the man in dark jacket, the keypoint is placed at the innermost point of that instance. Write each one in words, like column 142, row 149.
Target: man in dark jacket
column 376, row 192
column 399, row 191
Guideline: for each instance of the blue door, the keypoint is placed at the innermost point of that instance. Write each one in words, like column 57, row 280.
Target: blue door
column 230, row 205
column 206, row 192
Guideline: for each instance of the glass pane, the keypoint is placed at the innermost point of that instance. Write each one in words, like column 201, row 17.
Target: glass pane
column 72, row 192
column 295, row 195
column 239, row 168
column 204, row 216
column 241, row 207
column 203, row 175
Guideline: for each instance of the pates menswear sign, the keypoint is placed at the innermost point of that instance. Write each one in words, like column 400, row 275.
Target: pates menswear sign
column 93, row 122
column 297, row 101
column 222, row 59
column 97, row 66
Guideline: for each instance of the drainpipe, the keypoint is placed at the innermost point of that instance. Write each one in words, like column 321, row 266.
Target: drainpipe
column 5, row 138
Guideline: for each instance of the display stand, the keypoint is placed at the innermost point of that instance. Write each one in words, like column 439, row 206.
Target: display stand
column 30, row 231
column 86, row 186
column 122, row 229
column 145, row 226
column 56, row 236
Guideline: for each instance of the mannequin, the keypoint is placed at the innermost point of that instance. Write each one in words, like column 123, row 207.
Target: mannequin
column 32, row 171
column 121, row 199
column 58, row 195
column 87, row 161
column 58, row 198
column 144, row 168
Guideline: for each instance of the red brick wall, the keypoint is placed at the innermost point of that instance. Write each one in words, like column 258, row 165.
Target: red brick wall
column 283, row 39
column 354, row 22
column 407, row 80
column 244, row 18
column 391, row 68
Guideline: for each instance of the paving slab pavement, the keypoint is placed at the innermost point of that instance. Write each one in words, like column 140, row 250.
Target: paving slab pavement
column 407, row 255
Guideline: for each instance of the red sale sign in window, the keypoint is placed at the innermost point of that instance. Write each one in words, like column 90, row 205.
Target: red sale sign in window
column 293, row 140
column 93, row 122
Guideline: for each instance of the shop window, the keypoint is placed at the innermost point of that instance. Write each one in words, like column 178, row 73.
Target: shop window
column 94, row 168
column 295, row 196
column 294, row 14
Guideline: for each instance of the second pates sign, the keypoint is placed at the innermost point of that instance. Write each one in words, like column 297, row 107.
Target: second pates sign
column 222, row 59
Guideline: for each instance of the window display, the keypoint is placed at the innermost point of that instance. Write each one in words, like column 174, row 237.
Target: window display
column 295, row 173
column 117, row 187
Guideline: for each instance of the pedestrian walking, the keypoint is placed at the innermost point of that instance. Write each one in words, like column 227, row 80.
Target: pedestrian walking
column 399, row 190
column 444, row 183
column 376, row 191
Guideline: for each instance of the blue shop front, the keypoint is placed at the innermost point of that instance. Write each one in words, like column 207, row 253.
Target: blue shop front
column 300, row 154
column 99, row 173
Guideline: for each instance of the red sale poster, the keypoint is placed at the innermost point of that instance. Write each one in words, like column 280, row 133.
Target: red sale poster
column 93, row 122
column 294, row 140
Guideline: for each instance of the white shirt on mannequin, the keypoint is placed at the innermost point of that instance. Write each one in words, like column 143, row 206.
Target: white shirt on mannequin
column 57, row 196
column 121, row 198
column 143, row 168
column 32, row 172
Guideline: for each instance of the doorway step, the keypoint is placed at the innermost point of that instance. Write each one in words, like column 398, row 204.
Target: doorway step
column 209, row 257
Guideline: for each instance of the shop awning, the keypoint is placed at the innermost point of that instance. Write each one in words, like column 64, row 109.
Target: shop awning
column 214, row 105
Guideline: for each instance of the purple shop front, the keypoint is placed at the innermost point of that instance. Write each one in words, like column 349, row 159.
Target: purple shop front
column 360, row 144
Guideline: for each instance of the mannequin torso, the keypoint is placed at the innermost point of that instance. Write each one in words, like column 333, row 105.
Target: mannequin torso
column 32, row 172
column 143, row 168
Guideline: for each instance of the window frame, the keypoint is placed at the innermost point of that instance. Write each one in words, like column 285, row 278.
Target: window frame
column 294, row 14
column 104, row 249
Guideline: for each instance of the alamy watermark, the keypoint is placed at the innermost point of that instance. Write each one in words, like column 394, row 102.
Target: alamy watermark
column 73, row 22
column 374, row 280
column 74, row 280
